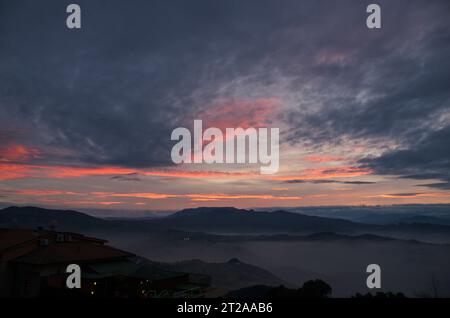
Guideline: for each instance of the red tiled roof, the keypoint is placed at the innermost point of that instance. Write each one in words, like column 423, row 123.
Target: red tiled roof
column 9, row 238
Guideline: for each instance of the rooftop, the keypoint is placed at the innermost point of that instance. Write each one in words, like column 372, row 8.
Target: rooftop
column 76, row 252
column 12, row 237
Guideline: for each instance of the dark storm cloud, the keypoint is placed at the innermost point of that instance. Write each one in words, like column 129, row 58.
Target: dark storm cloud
column 428, row 158
column 439, row 185
column 392, row 91
column 443, row 175
column 394, row 86
column 112, row 92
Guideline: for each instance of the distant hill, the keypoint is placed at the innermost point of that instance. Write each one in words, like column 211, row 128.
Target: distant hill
column 32, row 217
column 230, row 275
column 381, row 215
column 234, row 220
column 225, row 220
column 177, row 235
column 230, row 220
column 425, row 219
column 68, row 220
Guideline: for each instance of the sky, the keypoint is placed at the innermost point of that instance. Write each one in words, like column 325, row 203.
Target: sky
column 86, row 115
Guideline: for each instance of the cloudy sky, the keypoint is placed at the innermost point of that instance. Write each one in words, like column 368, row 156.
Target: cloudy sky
column 86, row 115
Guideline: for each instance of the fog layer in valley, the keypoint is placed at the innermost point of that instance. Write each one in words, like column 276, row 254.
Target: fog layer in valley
column 415, row 269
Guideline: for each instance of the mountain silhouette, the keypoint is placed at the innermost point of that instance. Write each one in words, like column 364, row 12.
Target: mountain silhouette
column 210, row 220
column 32, row 217
column 239, row 220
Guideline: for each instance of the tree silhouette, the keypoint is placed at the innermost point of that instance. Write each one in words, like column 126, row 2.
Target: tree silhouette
column 316, row 289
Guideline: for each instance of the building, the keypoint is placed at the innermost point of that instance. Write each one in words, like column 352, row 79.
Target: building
column 33, row 263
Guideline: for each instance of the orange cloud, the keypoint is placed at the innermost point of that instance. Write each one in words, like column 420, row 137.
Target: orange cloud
column 280, row 189
column 17, row 153
column 242, row 113
column 197, row 174
column 323, row 158
column 69, row 172
column 14, row 171
column 18, row 171
column 77, row 202
column 203, row 197
column 91, row 196
column 44, row 192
